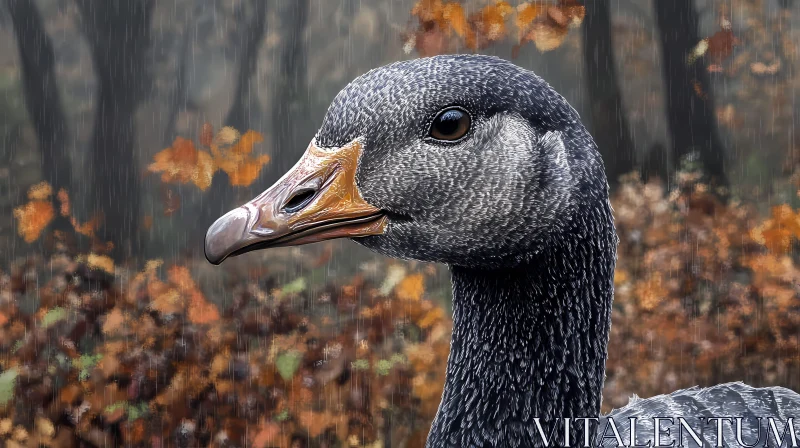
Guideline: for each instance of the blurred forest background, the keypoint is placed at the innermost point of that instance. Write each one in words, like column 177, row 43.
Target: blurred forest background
column 127, row 127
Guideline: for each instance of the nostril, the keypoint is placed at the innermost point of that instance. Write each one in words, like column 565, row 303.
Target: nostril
column 300, row 199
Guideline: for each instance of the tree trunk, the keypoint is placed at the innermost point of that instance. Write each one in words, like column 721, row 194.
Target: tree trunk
column 690, row 106
column 608, row 124
column 239, row 115
column 288, row 111
column 118, row 32
column 42, row 98
column 221, row 196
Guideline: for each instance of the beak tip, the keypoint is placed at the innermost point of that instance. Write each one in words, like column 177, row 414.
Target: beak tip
column 225, row 235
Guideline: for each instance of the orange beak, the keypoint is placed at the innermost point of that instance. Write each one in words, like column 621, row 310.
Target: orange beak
column 317, row 200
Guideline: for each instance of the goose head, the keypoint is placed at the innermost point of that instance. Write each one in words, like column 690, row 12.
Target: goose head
column 463, row 160
column 477, row 163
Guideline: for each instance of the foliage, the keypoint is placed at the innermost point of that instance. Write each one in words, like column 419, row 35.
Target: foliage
column 443, row 24
column 275, row 366
column 705, row 292
column 34, row 216
column 228, row 151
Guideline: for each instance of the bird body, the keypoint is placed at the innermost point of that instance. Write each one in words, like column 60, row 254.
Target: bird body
column 474, row 162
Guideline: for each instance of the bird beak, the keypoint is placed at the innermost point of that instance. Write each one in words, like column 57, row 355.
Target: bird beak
column 317, row 200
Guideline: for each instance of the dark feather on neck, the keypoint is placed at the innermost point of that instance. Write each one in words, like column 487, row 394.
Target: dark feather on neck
column 530, row 342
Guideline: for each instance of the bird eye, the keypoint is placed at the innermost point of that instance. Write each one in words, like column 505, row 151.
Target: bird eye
column 450, row 125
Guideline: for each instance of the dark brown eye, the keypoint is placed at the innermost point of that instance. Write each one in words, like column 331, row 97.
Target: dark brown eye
column 450, row 125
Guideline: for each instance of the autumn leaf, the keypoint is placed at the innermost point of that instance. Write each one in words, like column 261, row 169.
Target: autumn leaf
column 181, row 277
column 489, row 25
column 317, row 422
column 226, row 136
column 40, row 192
column 114, row 321
column 206, row 134
column 411, row 288
column 546, row 36
column 101, row 262
column 526, row 13
column 453, row 15
column 63, row 199
column 200, row 310
column 721, row 44
column 428, row 10
column 237, row 161
column 32, row 218
column 778, row 232
column 267, row 435
column 182, row 163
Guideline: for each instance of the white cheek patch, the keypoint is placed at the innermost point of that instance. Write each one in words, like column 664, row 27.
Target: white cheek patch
column 553, row 147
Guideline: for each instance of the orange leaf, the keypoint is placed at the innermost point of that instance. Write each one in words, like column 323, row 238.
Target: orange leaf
column 428, row 10
column 114, row 321
column 200, row 310
column 182, row 163
column 63, row 198
column 267, row 435
column 33, row 218
column 246, row 173
column 411, row 288
column 453, row 14
column 238, row 163
column 246, row 142
column 526, row 13
column 181, row 277
column 87, row 228
column 204, row 171
column 102, row 262
column 490, row 24
column 40, row 192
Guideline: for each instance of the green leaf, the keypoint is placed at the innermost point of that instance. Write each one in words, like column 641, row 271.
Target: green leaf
column 283, row 416
column 7, row 381
column 113, row 407
column 295, row 287
column 54, row 315
column 86, row 363
column 398, row 358
column 288, row 363
column 360, row 364
column 138, row 411
column 383, row 367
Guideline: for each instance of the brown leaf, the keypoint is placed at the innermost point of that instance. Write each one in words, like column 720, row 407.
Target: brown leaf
column 720, row 45
column 207, row 134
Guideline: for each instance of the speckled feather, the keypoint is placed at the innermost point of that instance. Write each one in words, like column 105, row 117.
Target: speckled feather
column 519, row 210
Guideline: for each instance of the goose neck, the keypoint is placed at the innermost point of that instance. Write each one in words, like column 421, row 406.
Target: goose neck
column 527, row 343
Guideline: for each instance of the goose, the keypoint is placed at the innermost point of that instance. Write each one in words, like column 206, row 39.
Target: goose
column 474, row 162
